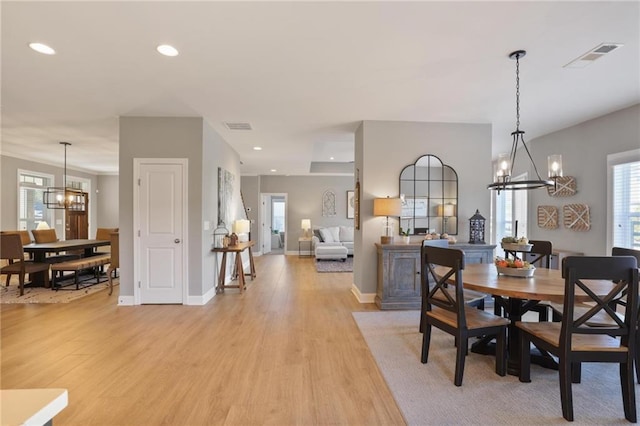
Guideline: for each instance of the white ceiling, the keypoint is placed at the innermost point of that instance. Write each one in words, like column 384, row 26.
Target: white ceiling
column 303, row 74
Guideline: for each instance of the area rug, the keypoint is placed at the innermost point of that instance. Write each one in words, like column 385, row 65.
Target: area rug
column 335, row 265
column 46, row 295
column 426, row 394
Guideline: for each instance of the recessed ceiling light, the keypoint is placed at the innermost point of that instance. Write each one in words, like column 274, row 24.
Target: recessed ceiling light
column 167, row 50
column 273, row 170
column 331, row 158
column 257, row 148
column 42, row 48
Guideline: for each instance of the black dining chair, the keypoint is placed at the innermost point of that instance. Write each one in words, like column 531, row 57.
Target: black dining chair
column 444, row 307
column 622, row 251
column 541, row 252
column 573, row 341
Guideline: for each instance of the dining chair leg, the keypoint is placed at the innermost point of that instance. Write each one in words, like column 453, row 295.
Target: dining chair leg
column 501, row 353
column 566, row 397
column 525, row 359
column 461, row 354
column 576, row 372
column 628, row 391
column 21, row 283
column 8, row 279
column 426, row 340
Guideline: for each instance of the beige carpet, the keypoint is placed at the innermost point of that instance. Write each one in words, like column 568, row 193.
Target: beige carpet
column 45, row 295
column 426, row 394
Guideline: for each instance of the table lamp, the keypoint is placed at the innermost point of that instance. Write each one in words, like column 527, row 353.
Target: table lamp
column 43, row 225
column 242, row 227
column 446, row 211
column 306, row 226
column 387, row 207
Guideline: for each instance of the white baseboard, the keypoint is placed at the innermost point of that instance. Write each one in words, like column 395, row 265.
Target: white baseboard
column 126, row 301
column 362, row 297
column 201, row 300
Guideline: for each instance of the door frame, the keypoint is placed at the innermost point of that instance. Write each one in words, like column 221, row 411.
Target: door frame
column 264, row 198
column 137, row 163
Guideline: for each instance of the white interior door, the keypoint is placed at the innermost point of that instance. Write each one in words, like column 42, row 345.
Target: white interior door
column 161, row 250
column 265, row 223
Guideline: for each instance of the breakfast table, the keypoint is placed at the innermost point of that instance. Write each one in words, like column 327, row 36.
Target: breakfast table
column 521, row 294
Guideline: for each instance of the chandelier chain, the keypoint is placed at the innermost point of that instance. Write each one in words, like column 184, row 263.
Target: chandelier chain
column 517, row 92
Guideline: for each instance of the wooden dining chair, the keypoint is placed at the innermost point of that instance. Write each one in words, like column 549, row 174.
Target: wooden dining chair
column 541, row 252
column 622, row 251
column 573, row 341
column 26, row 239
column 444, row 308
column 11, row 250
column 115, row 258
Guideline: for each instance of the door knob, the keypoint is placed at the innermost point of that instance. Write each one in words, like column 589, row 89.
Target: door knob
column 177, row 241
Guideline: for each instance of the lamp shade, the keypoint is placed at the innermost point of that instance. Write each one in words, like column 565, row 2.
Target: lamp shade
column 306, row 224
column 241, row 226
column 43, row 225
column 387, row 206
column 446, row 210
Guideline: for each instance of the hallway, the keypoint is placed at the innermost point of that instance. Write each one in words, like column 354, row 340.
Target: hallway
column 287, row 351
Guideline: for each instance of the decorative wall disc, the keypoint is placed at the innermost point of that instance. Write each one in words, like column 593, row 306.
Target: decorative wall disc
column 566, row 186
column 547, row 217
column 576, row 217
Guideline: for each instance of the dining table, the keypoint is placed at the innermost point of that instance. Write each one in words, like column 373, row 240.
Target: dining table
column 39, row 252
column 520, row 294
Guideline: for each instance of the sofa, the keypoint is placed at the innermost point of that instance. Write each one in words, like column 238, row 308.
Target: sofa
column 325, row 242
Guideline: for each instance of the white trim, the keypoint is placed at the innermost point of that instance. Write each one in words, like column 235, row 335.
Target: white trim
column 184, row 162
column 51, row 179
column 614, row 160
column 127, row 301
column 362, row 297
column 201, row 300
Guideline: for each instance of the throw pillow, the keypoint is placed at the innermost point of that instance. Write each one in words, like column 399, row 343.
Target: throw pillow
column 316, row 232
column 326, row 234
column 335, row 233
column 346, row 233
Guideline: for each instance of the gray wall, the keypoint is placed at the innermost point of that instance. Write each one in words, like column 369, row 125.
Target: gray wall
column 304, row 201
column 584, row 150
column 383, row 148
column 215, row 153
column 205, row 150
column 163, row 137
column 9, row 194
column 107, row 195
column 250, row 186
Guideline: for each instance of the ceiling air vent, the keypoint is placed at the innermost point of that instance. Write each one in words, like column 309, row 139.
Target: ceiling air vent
column 238, row 126
column 593, row 55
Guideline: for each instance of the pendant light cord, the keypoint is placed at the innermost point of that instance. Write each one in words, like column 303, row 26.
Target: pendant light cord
column 517, row 92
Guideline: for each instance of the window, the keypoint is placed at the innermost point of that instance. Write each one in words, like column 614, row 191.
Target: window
column 31, row 209
column 277, row 215
column 511, row 213
column 624, row 199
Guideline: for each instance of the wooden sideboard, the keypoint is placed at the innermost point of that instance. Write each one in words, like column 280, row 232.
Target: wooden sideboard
column 399, row 272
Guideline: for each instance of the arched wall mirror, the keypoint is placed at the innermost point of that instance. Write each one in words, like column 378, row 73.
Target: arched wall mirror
column 429, row 192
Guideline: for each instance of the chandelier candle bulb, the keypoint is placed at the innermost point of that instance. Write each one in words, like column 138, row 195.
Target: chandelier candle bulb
column 555, row 165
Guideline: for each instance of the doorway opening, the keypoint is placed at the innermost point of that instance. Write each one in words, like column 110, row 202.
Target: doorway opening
column 273, row 223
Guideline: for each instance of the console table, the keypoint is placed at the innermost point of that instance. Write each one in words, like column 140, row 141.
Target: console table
column 399, row 275
column 238, row 270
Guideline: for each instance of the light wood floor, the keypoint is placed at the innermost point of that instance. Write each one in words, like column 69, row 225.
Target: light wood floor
column 286, row 352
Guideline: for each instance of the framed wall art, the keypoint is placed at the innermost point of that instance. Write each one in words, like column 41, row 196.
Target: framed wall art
column 547, row 217
column 356, row 201
column 351, row 203
column 576, row 217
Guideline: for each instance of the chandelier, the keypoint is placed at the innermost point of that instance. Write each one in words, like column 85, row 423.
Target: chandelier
column 504, row 166
column 64, row 197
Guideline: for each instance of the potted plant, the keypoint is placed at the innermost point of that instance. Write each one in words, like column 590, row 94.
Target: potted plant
column 405, row 235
